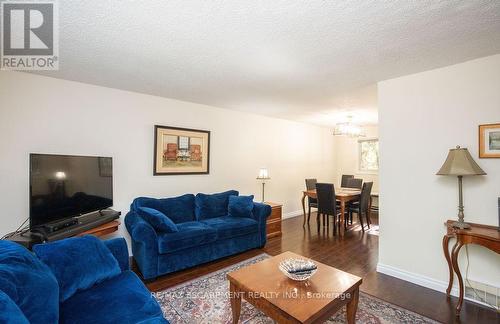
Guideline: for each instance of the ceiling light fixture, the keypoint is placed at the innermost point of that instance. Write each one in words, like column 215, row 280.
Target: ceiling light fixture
column 348, row 129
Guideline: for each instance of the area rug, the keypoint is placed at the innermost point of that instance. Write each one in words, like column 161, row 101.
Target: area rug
column 205, row 300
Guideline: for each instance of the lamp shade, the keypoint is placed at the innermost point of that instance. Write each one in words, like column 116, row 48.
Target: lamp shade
column 460, row 163
column 263, row 174
column 60, row 175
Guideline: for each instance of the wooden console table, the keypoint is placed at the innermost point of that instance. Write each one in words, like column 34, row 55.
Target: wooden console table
column 485, row 235
column 102, row 230
column 28, row 239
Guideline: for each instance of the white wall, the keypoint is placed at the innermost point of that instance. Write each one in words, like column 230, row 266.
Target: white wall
column 347, row 157
column 421, row 117
column 40, row 114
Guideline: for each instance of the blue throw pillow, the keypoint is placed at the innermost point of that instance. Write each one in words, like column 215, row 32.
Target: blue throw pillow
column 158, row 220
column 78, row 263
column 29, row 283
column 179, row 209
column 214, row 205
column 240, row 206
column 9, row 312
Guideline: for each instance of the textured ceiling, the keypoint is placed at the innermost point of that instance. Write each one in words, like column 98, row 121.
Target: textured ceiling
column 311, row 61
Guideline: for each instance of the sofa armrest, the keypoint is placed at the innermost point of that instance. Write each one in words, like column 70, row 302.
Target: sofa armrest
column 144, row 244
column 260, row 213
column 118, row 246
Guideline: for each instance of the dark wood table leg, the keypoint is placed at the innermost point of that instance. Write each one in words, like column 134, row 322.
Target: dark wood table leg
column 235, row 296
column 342, row 218
column 304, row 208
column 454, row 261
column 446, row 250
column 352, row 307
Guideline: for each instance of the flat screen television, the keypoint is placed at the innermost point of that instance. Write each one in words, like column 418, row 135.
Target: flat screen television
column 64, row 186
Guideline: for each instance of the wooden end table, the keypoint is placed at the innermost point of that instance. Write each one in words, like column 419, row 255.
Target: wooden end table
column 287, row 301
column 273, row 223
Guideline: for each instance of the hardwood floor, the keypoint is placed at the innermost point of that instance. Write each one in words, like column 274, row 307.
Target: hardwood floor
column 357, row 253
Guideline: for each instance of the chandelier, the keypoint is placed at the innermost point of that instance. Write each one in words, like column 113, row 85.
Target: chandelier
column 348, row 129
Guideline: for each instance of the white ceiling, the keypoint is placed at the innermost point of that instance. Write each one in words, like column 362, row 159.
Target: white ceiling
column 313, row 61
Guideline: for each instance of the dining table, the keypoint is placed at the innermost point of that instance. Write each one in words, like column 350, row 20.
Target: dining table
column 343, row 195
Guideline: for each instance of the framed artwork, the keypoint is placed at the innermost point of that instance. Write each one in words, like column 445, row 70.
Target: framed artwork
column 368, row 155
column 489, row 141
column 181, row 151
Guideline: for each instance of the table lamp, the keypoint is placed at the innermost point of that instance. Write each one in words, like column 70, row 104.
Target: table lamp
column 460, row 163
column 263, row 175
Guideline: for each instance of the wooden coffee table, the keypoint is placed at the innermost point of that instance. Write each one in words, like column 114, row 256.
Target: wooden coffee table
column 287, row 301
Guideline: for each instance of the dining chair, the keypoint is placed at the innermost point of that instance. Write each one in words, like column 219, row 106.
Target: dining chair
column 345, row 178
column 354, row 183
column 327, row 204
column 311, row 202
column 362, row 206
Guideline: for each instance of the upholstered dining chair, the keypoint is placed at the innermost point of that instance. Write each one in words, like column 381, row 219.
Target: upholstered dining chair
column 311, row 202
column 362, row 206
column 327, row 204
column 354, row 183
column 345, row 178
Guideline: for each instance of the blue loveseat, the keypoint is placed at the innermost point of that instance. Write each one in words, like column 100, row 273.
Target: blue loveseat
column 61, row 289
column 204, row 230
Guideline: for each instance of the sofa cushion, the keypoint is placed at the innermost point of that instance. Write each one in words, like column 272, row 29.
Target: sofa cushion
column 190, row 234
column 178, row 209
column 240, row 206
column 78, row 263
column 10, row 312
column 158, row 220
column 29, row 283
column 228, row 227
column 122, row 299
column 214, row 205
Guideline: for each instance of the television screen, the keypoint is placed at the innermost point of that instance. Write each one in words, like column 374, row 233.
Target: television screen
column 63, row 186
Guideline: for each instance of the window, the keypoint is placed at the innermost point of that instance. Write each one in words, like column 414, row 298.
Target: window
column 368, row 155
column 184, row 142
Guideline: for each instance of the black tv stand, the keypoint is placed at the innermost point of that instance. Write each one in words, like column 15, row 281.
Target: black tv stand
column 84, row 223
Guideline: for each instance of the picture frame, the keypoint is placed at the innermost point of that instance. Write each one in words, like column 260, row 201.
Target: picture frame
column 368, row 156
column 489, row 141
column 181, row 151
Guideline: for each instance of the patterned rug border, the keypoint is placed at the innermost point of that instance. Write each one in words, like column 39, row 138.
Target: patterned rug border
column 210, row 274
column 214, row 273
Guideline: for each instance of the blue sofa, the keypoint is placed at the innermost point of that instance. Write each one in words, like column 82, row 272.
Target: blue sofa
column 31, row 290
column 205, row 231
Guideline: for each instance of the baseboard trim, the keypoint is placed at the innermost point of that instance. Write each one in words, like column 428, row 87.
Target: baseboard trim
column 417, row 279
column 293, row 214
column 423, row 281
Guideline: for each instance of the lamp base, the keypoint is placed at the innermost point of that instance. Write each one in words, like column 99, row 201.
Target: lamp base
column 461, row 225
